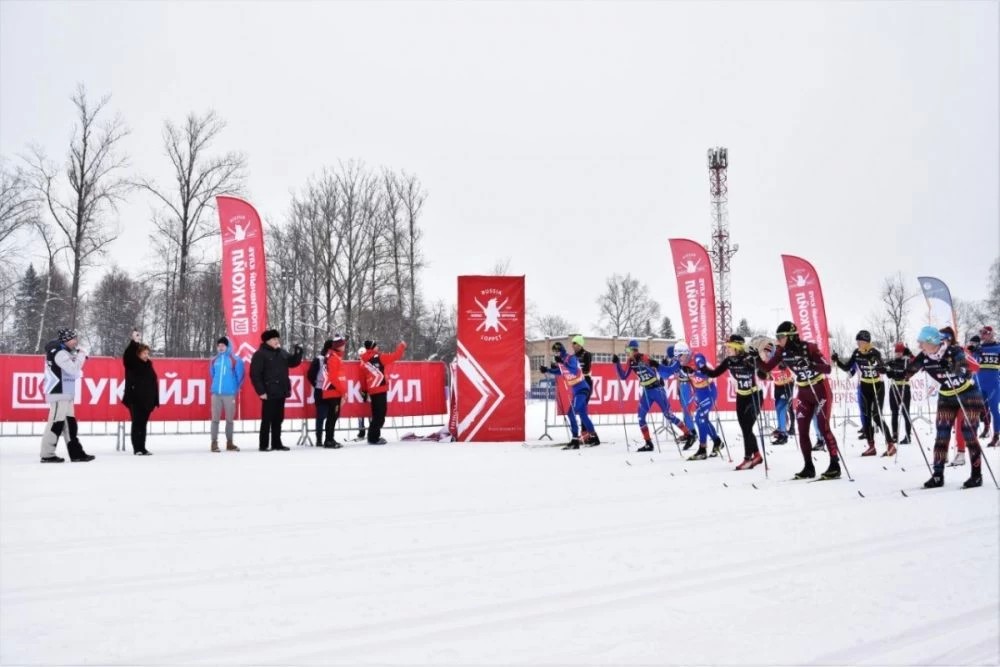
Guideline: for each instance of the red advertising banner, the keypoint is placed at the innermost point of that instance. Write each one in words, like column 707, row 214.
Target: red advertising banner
column 244, row 281
column 416, row 388
column 805, row 296
column 490, row 358
column 696, row 292
column 611, row 396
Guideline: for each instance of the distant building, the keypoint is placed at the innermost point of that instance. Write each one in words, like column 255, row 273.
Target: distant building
column 539, row 350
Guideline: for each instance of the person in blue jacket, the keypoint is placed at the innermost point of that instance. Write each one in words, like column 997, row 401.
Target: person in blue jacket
column 705, row 395
column 646, row 371
column 568, row 366
column 988, row 357
column 681, row 354
column 226, row 371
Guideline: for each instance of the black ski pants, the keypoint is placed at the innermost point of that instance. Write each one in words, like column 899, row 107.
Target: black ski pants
column 380, row 404
column 899, row 401
column 271, row 417
column 747, row 409
column 872, row 400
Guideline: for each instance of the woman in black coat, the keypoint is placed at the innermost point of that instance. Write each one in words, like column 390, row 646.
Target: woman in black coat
column 142, row 394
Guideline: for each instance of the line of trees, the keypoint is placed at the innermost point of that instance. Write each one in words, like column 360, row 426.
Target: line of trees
column 346, row 258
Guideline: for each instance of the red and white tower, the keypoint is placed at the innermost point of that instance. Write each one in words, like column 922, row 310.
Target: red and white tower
column 720, row 250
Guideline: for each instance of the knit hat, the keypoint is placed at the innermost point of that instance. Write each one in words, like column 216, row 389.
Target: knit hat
column 929, row 334
column 578, row 340
column 338, row 341
column 223, row 341
column 558, row 347
column 369, row 344
column 786, row 328
column 976, row 340
column 327, row 345
column 900, row 348
column 269, row 334
column 947, row 333
column 864, row 335
column 634, row 344
column 66, row 335
column 986, row 331
column 670, row 351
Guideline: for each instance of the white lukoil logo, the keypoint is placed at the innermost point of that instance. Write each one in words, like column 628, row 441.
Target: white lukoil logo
column 801, row 279
column 28, row 390
column 492, row 314
column 689, row 265
column 237, row 231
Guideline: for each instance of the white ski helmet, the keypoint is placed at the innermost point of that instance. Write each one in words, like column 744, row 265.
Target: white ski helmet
column 681, row 348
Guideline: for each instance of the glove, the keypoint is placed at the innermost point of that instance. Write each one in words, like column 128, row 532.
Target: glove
column 654, row 363
column 615, row 359
column 136, row 336
column 762, row 375
column 364, row 396
column 835, row 357
column 543, row 369
column 297, row 348
column 700, row 364
column 553, row 366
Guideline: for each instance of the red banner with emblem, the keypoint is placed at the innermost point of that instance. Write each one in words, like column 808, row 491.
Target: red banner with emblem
column 805, row 296
column 244, row 281
column 416, row 388
column 696, row 292
column 490, row 358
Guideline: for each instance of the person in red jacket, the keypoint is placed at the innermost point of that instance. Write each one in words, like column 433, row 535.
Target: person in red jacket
column 333, row 387
column 375, row 383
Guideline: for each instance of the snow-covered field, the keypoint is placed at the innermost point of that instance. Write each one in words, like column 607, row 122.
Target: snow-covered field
column 427, row 553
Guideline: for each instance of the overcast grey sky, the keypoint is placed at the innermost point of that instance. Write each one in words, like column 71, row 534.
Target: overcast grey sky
column 570, row 137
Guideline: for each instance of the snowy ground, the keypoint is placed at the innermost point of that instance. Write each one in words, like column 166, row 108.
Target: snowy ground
column 426, row 553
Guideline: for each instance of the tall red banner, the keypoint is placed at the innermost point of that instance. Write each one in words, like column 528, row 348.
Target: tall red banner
column 805, row 296
column 415, row 388
column 490, row 359
column 696, row 292
column 244, row 281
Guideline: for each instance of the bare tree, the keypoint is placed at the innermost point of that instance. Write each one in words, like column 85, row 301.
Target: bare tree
column 93, row 169
column 992, row 303
column 18, row 207
column 115, row 309
column 549, row 326
column 626, row 306
column 970, row 316
column 198, row 178
column 501, row 267
column 895, row 301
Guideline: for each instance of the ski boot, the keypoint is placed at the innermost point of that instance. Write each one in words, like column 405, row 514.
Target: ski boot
column 935, row 482
column 891, row 451
column 716, row 446
column 572, row 444
column 820, row 446
column 976, row 479
column 699, row 455
column 648, row 447
column 833, row 471
column 750, row 462
column 689, row 439
column 780, row 439
column 905, row 440
column 871, row 449
column 807, row 472
column 361, row 434
column 861, row 435
column 959, row 460
column 995, row 440
column 591, row 440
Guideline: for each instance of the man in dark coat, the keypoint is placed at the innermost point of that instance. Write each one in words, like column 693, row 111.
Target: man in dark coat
column 269, row 375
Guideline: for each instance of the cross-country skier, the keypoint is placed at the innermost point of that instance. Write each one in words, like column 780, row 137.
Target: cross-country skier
column 685, row 393
column 866, row 361
column 742, row 365
column 581, row 353
column 972, row 350
column 568, row 366
column 805, row 361
column 899, row 391
column 705, row 395
column 989, row 378
column 646, row 372
column 948, row 365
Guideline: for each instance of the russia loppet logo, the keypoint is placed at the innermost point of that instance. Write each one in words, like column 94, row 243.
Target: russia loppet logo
column 237, row 231
column 801, row 278
column 690, row 264
column 491, row 315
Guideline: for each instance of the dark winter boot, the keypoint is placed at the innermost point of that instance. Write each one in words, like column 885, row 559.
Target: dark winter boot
column 648, row 447
column 231, row 446
column 936, row 481
column 361, row 434
column 808, row 472
column 716, row 446
column 572, row 444
column 215, row 446
column 331, row 444
column 699, row 455
column 53, row 459
column 76, row 453
column 976, row 479
column 833, row 471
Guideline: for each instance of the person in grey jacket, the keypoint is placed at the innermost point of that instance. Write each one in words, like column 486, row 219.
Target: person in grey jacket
column 269, row 375
column 63, row 367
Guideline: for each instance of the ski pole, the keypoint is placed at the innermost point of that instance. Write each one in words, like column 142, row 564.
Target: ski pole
column 972, row 426
column 919, row 444
column 621, row 408
column 759, row 403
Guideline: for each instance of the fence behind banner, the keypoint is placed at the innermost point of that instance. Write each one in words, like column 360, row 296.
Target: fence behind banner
column 417, row 397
